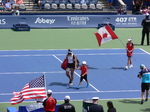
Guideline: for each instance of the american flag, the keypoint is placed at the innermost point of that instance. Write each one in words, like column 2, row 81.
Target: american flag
column 32, row 90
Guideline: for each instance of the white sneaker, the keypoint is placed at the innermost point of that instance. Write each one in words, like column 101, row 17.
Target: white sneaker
column 126, row 67
column 130, row 66
column 70, row 84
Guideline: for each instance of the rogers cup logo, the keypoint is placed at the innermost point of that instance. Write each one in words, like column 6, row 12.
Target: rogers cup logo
column 42, row 20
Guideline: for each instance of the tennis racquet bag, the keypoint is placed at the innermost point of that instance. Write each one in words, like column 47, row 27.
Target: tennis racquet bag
column 64, row 64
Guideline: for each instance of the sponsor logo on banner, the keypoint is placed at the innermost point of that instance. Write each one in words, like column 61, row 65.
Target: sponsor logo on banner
column 126, row 21
column 44, row 21
column 78, row 20
column 2, row 21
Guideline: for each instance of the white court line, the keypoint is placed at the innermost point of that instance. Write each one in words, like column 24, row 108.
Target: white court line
column 27, row 50
column 81, row 92
column 144, row 51
column 77, row 74
column 31, row 72
column 102, row 99
column 65, row 54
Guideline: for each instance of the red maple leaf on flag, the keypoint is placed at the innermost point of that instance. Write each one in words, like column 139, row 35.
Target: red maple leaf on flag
column 105, row 35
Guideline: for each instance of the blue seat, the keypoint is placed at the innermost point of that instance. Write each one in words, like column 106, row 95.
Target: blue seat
column 49, row 1
column 93, row 1
column 74, row 1
column 56, row 2
column 63, row 1
column 87, row 2
column 78, row 1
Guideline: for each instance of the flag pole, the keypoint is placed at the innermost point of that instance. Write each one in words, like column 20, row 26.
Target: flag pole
column 122, row 42
column 44, row 84
column 45, row 81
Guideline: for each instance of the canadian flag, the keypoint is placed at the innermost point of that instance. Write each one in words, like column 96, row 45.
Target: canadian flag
column 105, row 34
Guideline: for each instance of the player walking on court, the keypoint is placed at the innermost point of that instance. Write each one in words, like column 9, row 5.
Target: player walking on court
column 84, row 71
column 130, row 49
column 72, row 64
column 145, row 75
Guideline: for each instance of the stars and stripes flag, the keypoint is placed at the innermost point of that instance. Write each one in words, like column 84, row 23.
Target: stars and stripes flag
column 32, row 90
column 105, row 34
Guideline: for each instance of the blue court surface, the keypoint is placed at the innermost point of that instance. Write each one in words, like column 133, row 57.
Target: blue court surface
column 108, row 79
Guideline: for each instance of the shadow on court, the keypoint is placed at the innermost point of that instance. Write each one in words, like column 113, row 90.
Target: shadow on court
column 58, row 84
column 75, row 88
column 139, row 45
column 130, row 101
column 146, row 110
column 122, row 68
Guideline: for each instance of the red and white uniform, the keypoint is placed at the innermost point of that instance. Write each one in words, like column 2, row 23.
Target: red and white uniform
column 50, row 104
column 84, row 70
column 130, row 48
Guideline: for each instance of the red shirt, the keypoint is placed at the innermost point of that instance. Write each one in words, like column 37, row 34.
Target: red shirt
column 129, row 47
column 50, row 104
column 84, row 69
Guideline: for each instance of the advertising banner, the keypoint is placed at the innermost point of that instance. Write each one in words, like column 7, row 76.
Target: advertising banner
column 71, row 21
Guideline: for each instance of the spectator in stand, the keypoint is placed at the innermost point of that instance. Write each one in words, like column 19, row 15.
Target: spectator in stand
column 148, row 9
column 140, row 1
column 42, row 2
column 2, row 8
column 137, row 4
column 137, row 7
column 13, row 2
column 15, row 11
column 19, row 2
column 82, row 1
column 146, row 2
column 145, row 10
column 120, row 10
column 110, row 2
column 7, row 5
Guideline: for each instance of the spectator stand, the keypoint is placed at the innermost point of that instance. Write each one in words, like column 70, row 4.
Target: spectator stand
column 22, row 7
column 120, row 5
column 2, row 7
column 70, row 5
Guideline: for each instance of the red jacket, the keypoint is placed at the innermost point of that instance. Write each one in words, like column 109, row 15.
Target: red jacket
column 50, row 104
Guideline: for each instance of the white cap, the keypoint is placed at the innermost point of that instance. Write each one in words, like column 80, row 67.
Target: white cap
column 147, row 14
column 67, row 97
column 129, row 39
column 49, row 91
column 84, row 62
column 95, row 98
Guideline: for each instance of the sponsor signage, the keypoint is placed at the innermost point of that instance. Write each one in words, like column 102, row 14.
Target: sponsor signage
column 71, row 21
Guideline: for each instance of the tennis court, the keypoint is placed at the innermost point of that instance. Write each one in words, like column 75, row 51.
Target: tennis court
column 106, row 75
